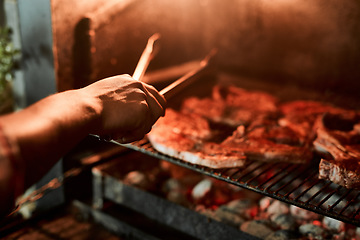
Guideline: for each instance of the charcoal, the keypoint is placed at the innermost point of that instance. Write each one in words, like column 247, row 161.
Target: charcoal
column 257, row 228
column 278, row 207
column 284, row 221
column 313, row 231
column 283, row 235
column 228, row 217
column 137, row 179
column 201, row 189
column 246, row 208
column 303, row 214
column 333, row 224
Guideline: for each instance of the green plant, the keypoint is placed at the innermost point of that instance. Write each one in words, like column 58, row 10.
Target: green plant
column 7, row 60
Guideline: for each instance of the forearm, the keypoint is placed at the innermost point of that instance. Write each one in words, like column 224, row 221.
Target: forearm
column 119, row 106
column 48, row 129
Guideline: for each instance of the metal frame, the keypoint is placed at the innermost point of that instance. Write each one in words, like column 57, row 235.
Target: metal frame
column 294, row 184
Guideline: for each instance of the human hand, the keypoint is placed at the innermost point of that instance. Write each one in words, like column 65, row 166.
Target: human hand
column 127, row 108
column 119, row 107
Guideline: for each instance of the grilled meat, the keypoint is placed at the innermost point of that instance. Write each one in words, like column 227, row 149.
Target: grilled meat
column 232, row 106
column 345, row 173
column 338, row 141
column 300, row 116
column 241, row 125
column 234, row 125
column 266, row 141
column 187, row 137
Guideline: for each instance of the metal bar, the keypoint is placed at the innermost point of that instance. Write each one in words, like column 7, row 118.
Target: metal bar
column 327, row 197
column 355, row 214
column 288, row 182
column 256, row 176
column 275, row 175
column 143, row 143
column 232, row 174
column 248, row 173
column 318, row 192
column 220, row 172
column 307, row 190
column 300, row 184
column 340, row 199
column 228, row 173
column 349, row 203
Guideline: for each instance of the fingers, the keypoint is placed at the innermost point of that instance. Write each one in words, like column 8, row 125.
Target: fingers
column 160, row 98
column 156, row 106
column 129, row 107
column 135, row 135
column 156, row 102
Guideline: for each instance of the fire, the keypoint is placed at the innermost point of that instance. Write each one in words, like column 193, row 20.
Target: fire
column 317, row 223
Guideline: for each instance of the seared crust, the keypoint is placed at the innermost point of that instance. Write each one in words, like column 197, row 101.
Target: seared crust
column 270, row 143
column 301, row 115
column 262, row 131
column 189, row 134
column 173, row 137
column 345, row 173
column 232, row 106
column 338, row 138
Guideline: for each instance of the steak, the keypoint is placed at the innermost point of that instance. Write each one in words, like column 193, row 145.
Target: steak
column 239, row 125
column 235, row 125
column 338, row 141
column 269, row 142
column 231, row 105
column 345, row 173
column 300, row 116
column 186, row 136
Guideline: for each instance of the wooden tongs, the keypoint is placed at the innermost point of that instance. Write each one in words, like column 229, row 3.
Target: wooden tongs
column 178, row 84
column 147, row 55
column 188, row 78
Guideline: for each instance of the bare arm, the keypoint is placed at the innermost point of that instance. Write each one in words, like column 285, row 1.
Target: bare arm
column 118, row 106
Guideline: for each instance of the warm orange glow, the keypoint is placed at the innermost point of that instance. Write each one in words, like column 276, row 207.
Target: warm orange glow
column 317, row 223
column 105, row 9
column 282, row 3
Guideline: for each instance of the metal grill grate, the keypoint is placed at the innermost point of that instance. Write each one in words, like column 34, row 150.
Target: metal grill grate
column 294, row 184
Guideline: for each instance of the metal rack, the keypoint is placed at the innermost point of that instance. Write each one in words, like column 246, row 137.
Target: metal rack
column 294, row 184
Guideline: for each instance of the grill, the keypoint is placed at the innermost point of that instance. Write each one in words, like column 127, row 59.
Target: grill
column 294, row 184
column 280, row 47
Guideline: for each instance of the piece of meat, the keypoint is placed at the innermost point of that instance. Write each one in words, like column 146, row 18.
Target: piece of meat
column 208, row 108
column 243, row 125
column 231, row 105
column 300, row 116
column 187, row 137
column 269, row 143
column 357, row 127
column 337, row 136
column 343, row 170
column 268, row 128
column 338, row 141
column 190, row 125
column 345, row 173
column 257, row 101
